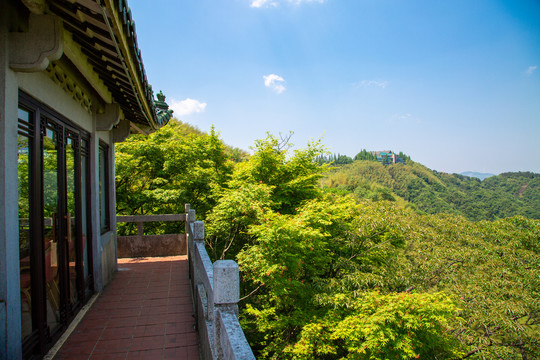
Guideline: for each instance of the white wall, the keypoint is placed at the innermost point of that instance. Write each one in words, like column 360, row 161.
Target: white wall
column 10, row 327
column 41, row 87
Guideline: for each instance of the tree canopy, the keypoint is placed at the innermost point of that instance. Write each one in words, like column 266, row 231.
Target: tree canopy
column 351, row 270
column 433, row 192
column 159, row 173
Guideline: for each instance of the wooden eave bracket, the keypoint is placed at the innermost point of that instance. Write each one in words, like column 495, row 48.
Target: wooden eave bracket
column 121, row 131
column 36, row 6
column 138, row 129
column 110, row 118
column 32, row 51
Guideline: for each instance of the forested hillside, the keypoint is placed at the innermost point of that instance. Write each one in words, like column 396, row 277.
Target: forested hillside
column 326, row 275
column 432, row 192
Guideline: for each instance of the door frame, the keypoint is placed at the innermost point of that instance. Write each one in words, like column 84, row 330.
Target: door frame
column 43, row 117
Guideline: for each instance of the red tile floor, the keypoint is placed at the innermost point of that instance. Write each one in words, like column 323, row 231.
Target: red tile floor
column 145, row 312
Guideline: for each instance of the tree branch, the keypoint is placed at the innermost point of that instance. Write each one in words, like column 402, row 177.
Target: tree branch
column 251, row 293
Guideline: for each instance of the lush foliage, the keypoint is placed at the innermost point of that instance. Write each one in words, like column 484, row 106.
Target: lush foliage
column 334, row 159
column 432, row 192
column 365, row 155
column 270, row 180
column 375, row 326
column 473, row 287
column 355, row 271
column 312, row 272
column 302, row 265
column 159, row 173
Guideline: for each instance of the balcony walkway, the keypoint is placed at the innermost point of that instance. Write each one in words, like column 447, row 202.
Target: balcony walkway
column 145, row 312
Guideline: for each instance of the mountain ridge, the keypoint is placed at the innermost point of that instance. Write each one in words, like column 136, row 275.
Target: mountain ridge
column 478, row 175
column 430, row 191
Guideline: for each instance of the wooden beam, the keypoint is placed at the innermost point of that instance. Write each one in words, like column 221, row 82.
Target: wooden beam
column 138, row 129
column 74, row 53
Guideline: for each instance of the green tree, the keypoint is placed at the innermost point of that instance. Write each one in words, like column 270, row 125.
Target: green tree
column 382, row 326
column 159, row 173
column 434, row 192
column 365, row 155
column 271, row 180
column 351, row 271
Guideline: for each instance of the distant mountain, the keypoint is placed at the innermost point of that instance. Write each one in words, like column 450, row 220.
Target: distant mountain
column 477, row 175
column 432, row 192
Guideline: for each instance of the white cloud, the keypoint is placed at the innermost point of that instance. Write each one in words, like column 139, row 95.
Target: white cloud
column 274, row 82
column 268, row 3
column 530, row 70
column 372, row 83
column 261, row 3
column 187, row 107
column 298, row 2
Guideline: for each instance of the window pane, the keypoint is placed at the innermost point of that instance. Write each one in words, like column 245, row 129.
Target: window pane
column 103, row 189
column 84, row 221
column 71, row 220
column 50, row 226
column 24, row 115
column 23, row 165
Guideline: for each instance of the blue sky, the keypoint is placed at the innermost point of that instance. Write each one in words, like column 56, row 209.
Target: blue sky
column 454, row 84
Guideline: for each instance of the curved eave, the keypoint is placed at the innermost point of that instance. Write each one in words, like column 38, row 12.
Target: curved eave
column 124, row 30
column 101, row 40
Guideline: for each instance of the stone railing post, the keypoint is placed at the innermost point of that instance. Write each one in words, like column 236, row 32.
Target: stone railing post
column 199, row 273
column 187, row 207
column 190, row 216
column 189, row 240
column 198, row 231
column 216, row 289
column 229, row 339
column 140, row 228
column 226, row 285
column 226, row 296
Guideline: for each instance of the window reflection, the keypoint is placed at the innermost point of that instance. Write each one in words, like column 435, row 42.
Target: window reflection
column 103, row 188
column 23, row 167
column 71, row 220
column 54, row 232
column 50, row 226
column 84, row 215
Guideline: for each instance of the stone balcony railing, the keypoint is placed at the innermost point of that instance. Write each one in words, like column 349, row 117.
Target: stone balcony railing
column 215, row 287
column 141, row 245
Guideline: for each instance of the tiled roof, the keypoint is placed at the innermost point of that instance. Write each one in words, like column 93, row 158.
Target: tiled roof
column 106, row 34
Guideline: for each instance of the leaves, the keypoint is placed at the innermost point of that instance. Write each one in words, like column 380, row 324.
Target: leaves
column 382, row 326
column 449, row 284
column 270, row 180
column 432, row 192
column 159, row 173
column 354, row 272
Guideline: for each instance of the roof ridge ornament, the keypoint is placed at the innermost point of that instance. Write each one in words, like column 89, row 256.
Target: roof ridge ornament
column 160, row 96
column 163, row 113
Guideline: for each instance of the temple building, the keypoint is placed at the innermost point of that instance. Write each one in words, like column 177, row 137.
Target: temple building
column 72, row 84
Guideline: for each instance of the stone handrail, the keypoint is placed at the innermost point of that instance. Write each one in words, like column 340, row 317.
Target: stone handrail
column 216, row 292
column 140, row 219
column 141, row 245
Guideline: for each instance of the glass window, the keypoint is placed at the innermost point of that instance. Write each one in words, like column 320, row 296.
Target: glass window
column 53, row 190
column 104, row 188
column 51, row 225
column 23, row 164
